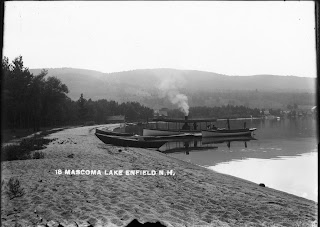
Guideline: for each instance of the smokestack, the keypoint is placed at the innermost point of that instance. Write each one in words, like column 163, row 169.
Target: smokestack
column 185, row 125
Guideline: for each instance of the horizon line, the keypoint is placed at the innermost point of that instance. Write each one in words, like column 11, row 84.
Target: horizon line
column 220, row 74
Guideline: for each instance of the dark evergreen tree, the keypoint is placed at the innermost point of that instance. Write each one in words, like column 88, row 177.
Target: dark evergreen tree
column 28, row 100
column 83, row 111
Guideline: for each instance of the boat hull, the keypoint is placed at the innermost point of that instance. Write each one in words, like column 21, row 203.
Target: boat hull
column 129, row 142
column 178, row 137
column 226, row 132
column 111, row 133
column 159, row 132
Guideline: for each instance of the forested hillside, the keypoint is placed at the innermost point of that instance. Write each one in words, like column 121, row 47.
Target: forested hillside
column 201, row 88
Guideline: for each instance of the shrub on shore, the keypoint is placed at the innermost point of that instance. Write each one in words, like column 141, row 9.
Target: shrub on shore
column 13, row 152
column 38, row 155
column 24, row 149
column 12, row 188
column 34, row 143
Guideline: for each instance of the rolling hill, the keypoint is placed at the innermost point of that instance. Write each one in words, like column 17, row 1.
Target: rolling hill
column 149, row 85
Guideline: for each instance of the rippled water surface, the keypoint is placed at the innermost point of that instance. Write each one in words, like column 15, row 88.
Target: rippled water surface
column 284, row 155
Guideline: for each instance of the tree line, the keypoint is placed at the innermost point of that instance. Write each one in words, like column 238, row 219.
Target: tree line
column 34, row 101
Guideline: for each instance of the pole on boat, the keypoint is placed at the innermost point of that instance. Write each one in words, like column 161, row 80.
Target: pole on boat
column 228, row 122
column 245, row 125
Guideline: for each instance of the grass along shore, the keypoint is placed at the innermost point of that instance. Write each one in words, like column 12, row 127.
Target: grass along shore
column 193, row 196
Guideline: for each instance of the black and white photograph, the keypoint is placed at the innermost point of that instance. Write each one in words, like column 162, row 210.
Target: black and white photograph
column 159, row 113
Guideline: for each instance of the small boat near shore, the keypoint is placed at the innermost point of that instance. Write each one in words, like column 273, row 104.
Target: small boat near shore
column 227, row 132
column 130, row 141
column 112, row 133
column 163, row 133
column 177, row 137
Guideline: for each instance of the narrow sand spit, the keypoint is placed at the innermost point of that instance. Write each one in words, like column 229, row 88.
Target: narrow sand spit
column 194, row 196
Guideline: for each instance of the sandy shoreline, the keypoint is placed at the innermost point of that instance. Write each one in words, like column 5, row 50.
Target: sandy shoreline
column 194, row 196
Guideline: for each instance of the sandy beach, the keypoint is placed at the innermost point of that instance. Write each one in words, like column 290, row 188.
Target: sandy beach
column 188, row 195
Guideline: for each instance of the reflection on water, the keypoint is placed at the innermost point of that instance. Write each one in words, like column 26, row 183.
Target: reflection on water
column 282, row 154
column 201, row 144
column 295, row 175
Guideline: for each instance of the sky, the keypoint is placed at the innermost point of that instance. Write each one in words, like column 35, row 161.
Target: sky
column 227, row 37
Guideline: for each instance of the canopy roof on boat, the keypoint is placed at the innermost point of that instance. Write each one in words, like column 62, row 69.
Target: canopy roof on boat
column 184, row 120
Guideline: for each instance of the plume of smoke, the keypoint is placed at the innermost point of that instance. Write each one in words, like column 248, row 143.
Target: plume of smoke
column 168, row 87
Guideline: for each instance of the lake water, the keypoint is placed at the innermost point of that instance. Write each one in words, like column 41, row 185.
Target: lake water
column 283, row 156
